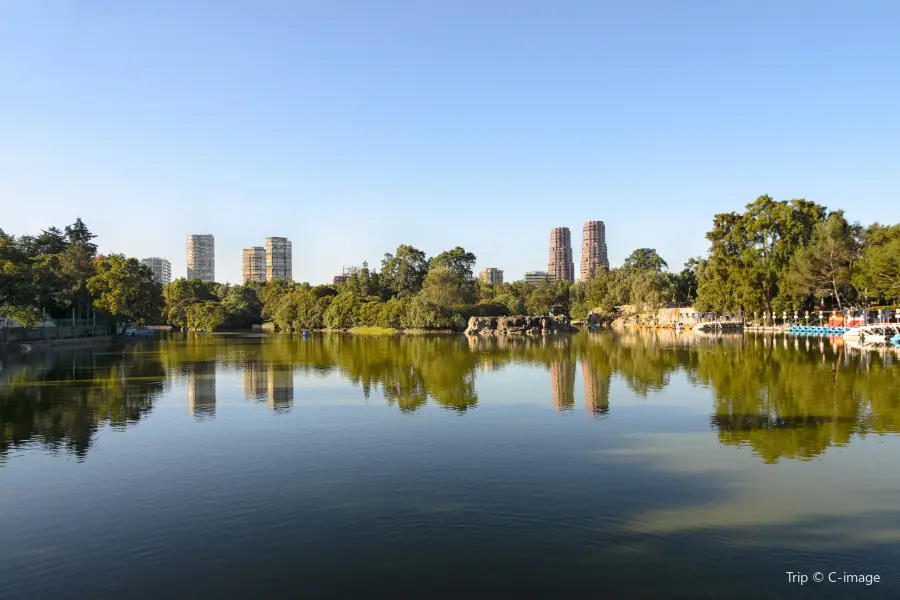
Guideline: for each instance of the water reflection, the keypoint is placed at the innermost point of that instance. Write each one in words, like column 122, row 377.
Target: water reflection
column 784, row 398
column 280, row 387
column 562, row 377
column 596, row 389
column 202, row 389
column 60, row 399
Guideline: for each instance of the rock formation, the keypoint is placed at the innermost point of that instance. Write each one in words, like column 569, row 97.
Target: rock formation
column 518, row 325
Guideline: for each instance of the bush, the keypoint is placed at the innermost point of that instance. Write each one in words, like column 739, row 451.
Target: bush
column 484, row 309
column 423, row 314
column 205, row 316
column 392, row 313
column 343, row 312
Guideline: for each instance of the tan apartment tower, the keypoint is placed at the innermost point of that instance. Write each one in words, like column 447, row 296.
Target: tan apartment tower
column 561, row 267
column 201, row 257
column 593, row 249
column 491, row 275
column 253, row 264
column 279, row 259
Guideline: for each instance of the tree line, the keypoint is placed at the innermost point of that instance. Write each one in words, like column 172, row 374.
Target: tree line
column 775, row 256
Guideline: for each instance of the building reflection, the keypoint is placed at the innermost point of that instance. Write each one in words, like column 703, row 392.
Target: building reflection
column 271, row 383
column 562, row 377
column 596, row 390
column 202, row 389
column 256, row 382
column 281, row 387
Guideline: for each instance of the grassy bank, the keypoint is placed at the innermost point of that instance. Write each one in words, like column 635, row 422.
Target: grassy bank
column 372, row 330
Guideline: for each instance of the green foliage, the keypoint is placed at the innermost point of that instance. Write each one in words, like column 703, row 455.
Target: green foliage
column 124, row 288
column 878, row 274
column 206, row 316
column 425, row 314
column 750, row 255
column 343, row 313
column 180, row 294
column 825, row 267
column 644, row 259
column 403, row 274
column 18, row 292
column 47, row 273
column 455, row 269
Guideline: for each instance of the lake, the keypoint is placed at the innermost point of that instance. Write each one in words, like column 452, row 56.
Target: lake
column 597, row 465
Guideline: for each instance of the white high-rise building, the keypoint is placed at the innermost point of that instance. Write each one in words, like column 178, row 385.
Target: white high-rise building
column 201, row 257
column 279, row 259
column 162, row 268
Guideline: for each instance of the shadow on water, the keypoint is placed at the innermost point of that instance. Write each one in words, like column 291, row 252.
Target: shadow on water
column 783, row 398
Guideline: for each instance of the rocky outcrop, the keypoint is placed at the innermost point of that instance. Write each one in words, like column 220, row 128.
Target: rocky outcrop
column 519, row 325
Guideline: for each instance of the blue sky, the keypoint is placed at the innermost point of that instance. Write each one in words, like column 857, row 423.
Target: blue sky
column 352, row 127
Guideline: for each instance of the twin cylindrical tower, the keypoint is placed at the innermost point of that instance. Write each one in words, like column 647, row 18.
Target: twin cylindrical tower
column 593, row 252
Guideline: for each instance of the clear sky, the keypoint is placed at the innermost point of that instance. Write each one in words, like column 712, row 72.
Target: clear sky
column 354, row 126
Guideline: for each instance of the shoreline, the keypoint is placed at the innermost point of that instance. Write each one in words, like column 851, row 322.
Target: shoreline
column 40, row 345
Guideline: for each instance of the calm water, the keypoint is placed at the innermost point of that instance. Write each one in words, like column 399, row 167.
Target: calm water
column 593, row 466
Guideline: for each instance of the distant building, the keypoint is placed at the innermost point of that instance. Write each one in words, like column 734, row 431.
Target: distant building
column 560, row 265
column 279, row 259
column 162, row 268
column 593, row 249
column 491, row 275
column 201, row 257
column 253, row 264
column 339, row 279
column 536, row 276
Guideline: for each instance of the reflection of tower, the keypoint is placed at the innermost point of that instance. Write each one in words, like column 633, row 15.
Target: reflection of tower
column 202, row 390
column 255, row 381
column 281, row 387
column 596, row 390
column 562, row 377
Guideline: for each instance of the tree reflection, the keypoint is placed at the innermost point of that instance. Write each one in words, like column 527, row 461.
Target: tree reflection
column 60, row 401
column 782, row 397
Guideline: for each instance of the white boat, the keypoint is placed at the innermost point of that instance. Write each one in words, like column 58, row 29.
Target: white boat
column 871, row 333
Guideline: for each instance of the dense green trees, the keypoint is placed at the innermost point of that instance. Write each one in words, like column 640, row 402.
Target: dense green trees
column 791, row 255
column 877, row 274
column 47, row 273
column 825, row 266
column 125, row 289
column 403, row 273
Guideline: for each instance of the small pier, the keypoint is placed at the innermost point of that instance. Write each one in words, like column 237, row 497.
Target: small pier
column 822, row 330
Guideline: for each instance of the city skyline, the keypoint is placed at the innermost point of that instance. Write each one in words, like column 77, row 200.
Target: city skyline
column 256, row 261
column 652, row 124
